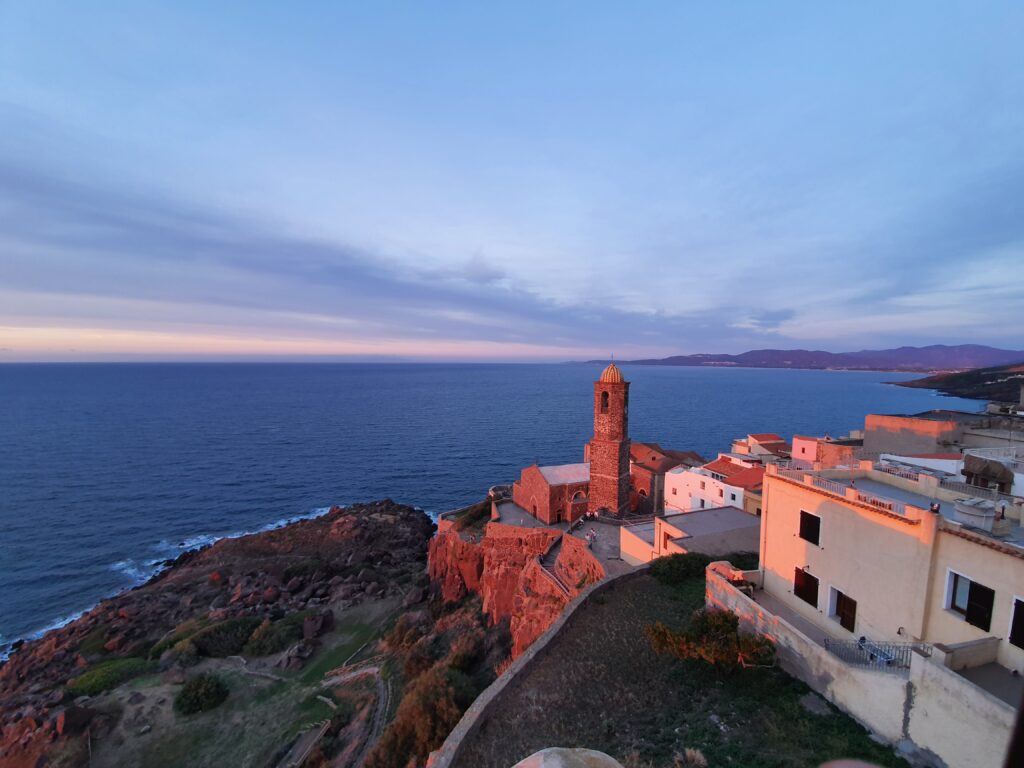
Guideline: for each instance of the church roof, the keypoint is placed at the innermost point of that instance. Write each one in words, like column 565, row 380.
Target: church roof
column 611, row 375
column 563, row 474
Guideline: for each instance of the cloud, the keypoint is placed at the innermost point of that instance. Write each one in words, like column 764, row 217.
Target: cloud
column 85, row 256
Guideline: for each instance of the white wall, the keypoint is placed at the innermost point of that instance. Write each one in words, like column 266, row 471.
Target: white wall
column 684, row 494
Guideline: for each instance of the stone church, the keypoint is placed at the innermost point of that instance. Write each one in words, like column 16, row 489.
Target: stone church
column 617, row 477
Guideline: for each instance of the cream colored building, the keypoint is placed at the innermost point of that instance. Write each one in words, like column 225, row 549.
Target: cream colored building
column 860, row 553
column 890, row 555
column 899, row 597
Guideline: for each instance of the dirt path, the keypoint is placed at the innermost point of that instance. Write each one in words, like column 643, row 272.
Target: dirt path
column 380, row 713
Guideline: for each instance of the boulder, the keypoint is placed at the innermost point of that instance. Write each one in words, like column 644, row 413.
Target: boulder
column 413, row 597
column 74, row 719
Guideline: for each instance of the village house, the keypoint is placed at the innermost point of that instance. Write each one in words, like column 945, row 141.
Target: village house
column 826, row 452
column 765, row 446
column 730, row 480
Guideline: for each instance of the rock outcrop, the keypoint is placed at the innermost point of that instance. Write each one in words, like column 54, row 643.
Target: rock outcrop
column 508, row 569
column 349, row 555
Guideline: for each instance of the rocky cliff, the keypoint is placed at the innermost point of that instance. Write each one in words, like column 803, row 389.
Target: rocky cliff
column 524, row 575
column 284, row 586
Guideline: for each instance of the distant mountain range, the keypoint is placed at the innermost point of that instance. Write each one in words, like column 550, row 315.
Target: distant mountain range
column 937, row 357
column 1001, row 383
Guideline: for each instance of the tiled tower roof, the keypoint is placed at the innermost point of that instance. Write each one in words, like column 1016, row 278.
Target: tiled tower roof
column 611, row 375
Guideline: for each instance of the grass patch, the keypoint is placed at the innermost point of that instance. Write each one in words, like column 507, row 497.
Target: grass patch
column 107, row 675
column 92, row 643
column 333, row 657
column 626, row 700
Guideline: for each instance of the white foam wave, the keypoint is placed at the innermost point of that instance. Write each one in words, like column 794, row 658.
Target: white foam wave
column 139, row 573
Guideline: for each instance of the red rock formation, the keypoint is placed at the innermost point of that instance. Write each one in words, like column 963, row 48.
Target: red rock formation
column 505, row 569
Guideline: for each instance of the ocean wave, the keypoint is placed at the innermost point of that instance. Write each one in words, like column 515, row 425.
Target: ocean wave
column 139, row 572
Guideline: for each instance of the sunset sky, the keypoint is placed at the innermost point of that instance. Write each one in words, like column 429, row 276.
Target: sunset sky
column 512, row 181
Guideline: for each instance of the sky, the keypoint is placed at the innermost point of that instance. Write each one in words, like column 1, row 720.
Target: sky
column 507, row 181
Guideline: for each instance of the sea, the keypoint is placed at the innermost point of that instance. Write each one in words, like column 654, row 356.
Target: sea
column 109, row 470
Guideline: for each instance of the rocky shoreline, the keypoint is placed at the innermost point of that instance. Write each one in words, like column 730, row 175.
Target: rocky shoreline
column 290, row 583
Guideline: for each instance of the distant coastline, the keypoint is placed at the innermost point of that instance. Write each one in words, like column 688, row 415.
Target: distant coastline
column 933, row 360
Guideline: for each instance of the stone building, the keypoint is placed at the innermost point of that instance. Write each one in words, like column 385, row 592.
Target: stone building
column 616, row 476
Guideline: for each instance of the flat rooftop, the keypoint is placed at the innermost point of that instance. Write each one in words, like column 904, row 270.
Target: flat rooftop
column 563, row 474
column 711, row 521
column 922, row 501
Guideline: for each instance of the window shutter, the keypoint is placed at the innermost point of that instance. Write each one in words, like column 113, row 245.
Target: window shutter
column 1017, row 627
column 979, row 606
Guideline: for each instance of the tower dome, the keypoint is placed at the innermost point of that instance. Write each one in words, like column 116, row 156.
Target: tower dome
column 611, row 375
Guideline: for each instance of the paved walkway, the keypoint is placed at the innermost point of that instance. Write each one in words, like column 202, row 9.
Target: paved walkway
column 783, row 611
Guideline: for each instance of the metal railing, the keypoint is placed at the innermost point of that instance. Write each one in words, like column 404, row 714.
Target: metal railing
column 976, row 491
column 830, row 485
column 906, row 474
column 884, row 657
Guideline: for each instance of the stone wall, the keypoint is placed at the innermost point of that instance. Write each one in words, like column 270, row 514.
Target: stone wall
column 929, row 712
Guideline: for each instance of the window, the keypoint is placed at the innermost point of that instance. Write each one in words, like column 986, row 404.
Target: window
column 810, row 527
column 673, row 490
column 971, row 600
column 843, row 609
column 732, row 496
column 721, row 493
column 702, row 485
column 805, row 587
column 1017, row 623
column 702, row 503
column 604, row 402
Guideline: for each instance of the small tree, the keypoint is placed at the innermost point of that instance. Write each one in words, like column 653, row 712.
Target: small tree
column 200, row 693
column 713, row 636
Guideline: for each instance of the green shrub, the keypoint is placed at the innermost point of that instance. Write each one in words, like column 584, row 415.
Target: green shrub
column 713, row 636
column 226, row 638
column 107, row 675
column 475, row 515
column 273, row 637
column 92, row 643
column 185, row 653
column 403, row 634
column 183, row 631
column 304, row 568
column 342, row 716
column 675, row 569
column 199, row 694
column 744, row 561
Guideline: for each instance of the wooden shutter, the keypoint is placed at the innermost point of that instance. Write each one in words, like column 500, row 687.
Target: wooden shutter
column 1017, row 625
column 979, row 606
column 846, row 610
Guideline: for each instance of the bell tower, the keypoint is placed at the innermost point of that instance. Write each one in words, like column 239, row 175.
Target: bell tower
column 608, row 451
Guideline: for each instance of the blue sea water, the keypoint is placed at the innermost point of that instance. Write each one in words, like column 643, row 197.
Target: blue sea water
column 106, row 470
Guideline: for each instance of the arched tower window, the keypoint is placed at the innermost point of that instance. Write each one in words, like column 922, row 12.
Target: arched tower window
column 604, row 402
